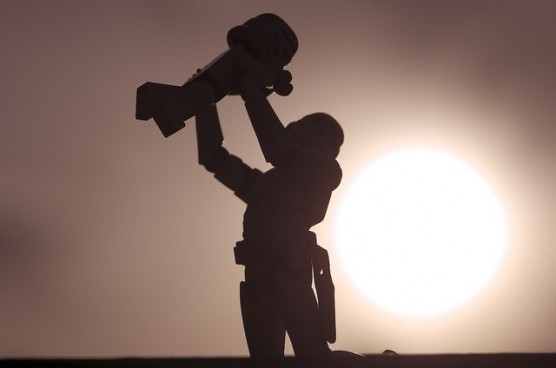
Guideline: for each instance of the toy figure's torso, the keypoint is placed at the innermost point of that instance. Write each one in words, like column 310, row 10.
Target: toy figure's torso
column 287, row 200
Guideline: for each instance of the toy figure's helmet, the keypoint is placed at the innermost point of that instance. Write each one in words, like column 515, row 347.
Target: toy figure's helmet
column 268, row 38
column 318, row 131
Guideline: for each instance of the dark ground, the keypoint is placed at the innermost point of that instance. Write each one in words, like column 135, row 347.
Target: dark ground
column 506, row 360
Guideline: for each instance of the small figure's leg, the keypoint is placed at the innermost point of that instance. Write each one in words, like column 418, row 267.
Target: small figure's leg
column 170, row 106
column 264, row 330
column 299, row 310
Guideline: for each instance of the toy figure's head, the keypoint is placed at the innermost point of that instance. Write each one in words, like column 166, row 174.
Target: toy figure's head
column 318, row 131
column 268, row 38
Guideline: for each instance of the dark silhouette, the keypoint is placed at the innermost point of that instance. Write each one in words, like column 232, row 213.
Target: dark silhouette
column 263, row 45
column 280, row 253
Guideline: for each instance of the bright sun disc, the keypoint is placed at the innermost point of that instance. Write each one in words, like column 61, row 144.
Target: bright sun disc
column 420, row 232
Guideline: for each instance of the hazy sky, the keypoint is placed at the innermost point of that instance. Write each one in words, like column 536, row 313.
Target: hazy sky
column 105, row 248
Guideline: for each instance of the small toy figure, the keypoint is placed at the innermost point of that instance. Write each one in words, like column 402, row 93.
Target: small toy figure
column 278, row 250
column 263, row 45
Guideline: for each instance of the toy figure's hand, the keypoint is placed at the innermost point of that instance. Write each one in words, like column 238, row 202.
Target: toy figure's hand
column 282, row 84
column 250, row 89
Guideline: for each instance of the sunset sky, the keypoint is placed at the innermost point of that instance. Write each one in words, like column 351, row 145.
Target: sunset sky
column 115, row 242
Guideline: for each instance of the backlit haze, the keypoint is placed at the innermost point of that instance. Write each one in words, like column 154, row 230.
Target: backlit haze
column 115, row 242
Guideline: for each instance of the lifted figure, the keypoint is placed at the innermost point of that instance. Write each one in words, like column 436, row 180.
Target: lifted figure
column 278, row 250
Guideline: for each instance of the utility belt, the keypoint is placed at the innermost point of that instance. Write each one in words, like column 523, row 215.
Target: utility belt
column 293, row 255
column 246, row 255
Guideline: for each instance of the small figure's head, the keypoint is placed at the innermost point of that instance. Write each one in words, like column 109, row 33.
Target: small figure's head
column 268, row 38
column 318, row 131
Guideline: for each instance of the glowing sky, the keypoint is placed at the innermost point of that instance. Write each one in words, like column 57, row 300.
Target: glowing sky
column 114, row 242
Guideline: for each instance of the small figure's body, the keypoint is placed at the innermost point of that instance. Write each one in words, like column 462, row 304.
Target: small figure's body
column 263, row 45
column 280, row 253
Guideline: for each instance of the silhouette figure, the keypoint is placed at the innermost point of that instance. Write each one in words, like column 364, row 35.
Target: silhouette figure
column 278, row 250
column 280, row 253
column 263, row 45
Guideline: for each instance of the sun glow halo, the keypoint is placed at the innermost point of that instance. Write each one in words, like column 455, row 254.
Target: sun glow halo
column 420, row 232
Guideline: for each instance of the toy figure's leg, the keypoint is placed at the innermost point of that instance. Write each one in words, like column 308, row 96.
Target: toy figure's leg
column 264, row 330
column 171, row 105
column 298, row 308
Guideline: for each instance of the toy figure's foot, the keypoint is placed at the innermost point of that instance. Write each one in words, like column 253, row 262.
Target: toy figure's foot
column 343, row 354
column 170, row 106
column 389, row 352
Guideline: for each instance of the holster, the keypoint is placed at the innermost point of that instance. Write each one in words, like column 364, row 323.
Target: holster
column 325, row 291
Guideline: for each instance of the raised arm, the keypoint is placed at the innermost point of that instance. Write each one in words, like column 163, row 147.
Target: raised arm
column 271, row 134
column 228, row 169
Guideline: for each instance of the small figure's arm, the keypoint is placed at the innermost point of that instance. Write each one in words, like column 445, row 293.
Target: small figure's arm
column 228, row 169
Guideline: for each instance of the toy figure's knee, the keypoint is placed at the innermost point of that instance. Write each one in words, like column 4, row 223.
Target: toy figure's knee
column 293, row 293
column 264, row 330
column 297, row 305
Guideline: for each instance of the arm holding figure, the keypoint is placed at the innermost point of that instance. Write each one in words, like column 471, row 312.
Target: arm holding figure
column 273, row 139
column 230, row 170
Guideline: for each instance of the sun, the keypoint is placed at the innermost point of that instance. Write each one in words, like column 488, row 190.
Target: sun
column 419, row 232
